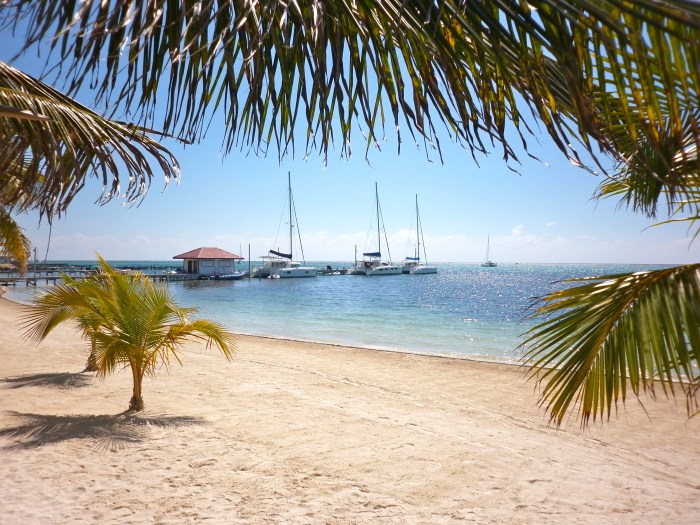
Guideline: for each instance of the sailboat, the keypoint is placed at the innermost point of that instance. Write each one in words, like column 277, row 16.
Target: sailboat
column 280, row 265
column 372, row 263
column 488, row 263
column 413, row 265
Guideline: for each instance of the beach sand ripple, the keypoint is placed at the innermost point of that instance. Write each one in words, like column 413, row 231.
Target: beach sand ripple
column 302, row 433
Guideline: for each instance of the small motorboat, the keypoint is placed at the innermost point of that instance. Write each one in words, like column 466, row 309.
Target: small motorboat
column 227, row 276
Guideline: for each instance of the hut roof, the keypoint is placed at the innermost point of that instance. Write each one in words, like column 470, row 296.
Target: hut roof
column 208, row 253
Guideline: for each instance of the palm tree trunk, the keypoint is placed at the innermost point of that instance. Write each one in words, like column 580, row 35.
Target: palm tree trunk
column 136, row 403
column 91, row 363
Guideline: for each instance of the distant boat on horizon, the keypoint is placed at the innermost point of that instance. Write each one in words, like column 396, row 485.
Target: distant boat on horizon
column 488, row 263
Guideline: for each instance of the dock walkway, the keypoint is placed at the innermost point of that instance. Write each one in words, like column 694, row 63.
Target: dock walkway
column 12, row 281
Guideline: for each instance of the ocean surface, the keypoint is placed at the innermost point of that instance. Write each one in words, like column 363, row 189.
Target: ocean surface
column 465, row 310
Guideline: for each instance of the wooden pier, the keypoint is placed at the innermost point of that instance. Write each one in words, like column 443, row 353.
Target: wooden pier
column 50, row 278
column 12, row 281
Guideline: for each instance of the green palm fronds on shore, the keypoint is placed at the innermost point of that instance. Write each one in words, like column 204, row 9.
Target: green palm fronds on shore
column 13, row 241
column 274, row 68
column 131, row 323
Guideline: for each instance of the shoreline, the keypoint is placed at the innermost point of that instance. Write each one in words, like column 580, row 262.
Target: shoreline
column 455, row 356
column 451, row 355
column 308, row 433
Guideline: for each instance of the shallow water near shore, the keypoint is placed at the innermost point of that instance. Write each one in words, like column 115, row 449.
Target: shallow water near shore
column 465, row 310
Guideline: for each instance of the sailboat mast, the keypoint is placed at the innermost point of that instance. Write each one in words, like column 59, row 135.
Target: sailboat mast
column 417, row 230
column 379, row 237
column 291, row 243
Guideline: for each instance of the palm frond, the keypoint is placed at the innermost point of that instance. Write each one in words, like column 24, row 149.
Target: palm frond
column 656, row 163
column 580, row 66
column 46, row 160
column 630, row 329
column 56, row 305
column 13, row 241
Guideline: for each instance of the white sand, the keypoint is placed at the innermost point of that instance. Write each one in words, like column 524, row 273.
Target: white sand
column 313, row 434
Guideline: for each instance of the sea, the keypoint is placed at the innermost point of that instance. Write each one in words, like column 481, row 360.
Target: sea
column 464, row 311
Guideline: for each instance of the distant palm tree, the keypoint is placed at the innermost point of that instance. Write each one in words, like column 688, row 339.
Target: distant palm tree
column 14, row 242
column 604, row 76
column 130, row 322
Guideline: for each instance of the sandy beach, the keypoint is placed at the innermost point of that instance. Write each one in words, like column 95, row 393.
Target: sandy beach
column 306, row 433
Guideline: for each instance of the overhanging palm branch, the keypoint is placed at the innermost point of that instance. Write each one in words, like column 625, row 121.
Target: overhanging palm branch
column 616, row 331
column 13, row 242
column 50, row 145
column 130, row 322
column 658, row 172
column 320, row 68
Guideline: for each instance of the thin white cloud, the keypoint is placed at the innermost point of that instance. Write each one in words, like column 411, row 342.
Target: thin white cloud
column 518, row 230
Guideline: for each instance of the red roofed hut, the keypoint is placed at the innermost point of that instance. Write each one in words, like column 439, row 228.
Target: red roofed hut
column 209, row 261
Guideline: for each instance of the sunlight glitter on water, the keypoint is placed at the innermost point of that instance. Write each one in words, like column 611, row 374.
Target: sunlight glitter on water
column 464, row 310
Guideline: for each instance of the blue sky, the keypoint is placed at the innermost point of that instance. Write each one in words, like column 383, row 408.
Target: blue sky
column 543, row 214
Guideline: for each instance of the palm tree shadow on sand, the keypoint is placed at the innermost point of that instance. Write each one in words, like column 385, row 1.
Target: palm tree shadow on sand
column 104, row 432
column 63, row 380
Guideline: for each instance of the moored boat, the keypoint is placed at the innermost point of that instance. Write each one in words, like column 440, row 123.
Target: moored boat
column 372, row 263
column 228, row 276
column 280, row 265
column 413, row 265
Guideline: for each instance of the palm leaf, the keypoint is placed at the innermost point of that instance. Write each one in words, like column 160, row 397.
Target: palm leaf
column 14, row 242
column 50, row 145
column 616, row 331
column 579, row 66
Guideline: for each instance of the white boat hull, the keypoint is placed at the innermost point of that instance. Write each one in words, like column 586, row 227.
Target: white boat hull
column 375, row 268
column 408, row 266
column 388, row 269
column 301, row 271
column 421, row 269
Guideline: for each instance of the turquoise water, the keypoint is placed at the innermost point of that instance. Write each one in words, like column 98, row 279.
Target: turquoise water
column 464, row 310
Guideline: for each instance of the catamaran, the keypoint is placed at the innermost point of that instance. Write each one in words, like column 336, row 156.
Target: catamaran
column 280, row 265
column 413, row 265
column 372, row 263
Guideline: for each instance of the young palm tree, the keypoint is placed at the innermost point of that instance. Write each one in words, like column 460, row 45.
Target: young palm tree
column 620, row 78
column 130, row 321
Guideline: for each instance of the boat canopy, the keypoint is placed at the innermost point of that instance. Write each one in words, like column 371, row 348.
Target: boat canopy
column 372, row 254
column 280, row 254
column 413, row 258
